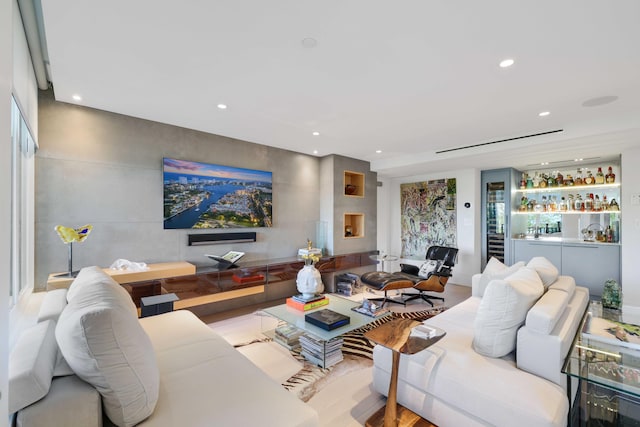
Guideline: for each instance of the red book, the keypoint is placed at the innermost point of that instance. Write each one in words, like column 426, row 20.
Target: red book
column 247, row 279
column 308, row 306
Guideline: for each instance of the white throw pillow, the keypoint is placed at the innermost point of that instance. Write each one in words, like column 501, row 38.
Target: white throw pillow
column 503, row 310
column 546, row 270
column 31, row 365
column 92, row 278
column 495, row 270
column 105, row 345
column 428, row 267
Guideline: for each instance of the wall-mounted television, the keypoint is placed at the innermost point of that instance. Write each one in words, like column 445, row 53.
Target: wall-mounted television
column 202, row 195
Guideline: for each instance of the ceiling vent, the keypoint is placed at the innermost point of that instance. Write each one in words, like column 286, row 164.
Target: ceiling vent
column 499, row 141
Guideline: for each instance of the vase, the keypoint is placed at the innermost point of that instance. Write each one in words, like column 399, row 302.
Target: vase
column 309, row 282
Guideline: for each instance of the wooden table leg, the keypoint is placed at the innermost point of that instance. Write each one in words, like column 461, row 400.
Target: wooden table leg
column 391, row 412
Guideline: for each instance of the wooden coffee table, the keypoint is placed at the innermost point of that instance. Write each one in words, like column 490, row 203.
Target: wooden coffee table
column 395, row 335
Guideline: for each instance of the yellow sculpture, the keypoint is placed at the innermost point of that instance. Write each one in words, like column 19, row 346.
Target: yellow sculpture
column 69, row 235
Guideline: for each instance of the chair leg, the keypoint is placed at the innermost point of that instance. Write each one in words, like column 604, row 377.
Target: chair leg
column 412, row 296
column 387, row 299
column 426, row 298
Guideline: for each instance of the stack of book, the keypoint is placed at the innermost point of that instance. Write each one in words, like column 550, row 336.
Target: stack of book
column 288, row 336
column 301, row 303
column 321, row 353
column 347, row 284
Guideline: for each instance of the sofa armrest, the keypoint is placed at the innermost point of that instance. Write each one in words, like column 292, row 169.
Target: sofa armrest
column 475, row 282
column 70, row 402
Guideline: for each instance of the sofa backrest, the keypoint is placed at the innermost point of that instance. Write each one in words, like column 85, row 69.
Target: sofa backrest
column 551, row 324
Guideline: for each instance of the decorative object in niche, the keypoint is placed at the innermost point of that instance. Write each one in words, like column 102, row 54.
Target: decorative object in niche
column 201, row 195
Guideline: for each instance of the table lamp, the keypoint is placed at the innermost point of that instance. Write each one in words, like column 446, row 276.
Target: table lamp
column 68, row 236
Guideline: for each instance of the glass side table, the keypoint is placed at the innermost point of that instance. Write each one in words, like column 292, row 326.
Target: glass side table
column 605, row 358
column 384, row 258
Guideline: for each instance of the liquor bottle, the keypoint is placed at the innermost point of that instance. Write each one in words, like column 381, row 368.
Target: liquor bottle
column 609, row 234
column 599, row 176
column 563, row 205
column 577, row 204
column 542, row 182
column 597, row 204
column 589, row 179
column 611, row 177
column 605, row 203
column 588, row 203
column 523, row 181
column 559, row 179
column 551, row 181
column 578, row 179
column 568, row 181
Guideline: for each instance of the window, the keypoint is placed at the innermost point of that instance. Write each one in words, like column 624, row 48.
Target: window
column 22, row 212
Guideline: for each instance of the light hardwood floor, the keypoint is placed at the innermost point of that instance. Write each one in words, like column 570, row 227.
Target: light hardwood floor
column 346, row 402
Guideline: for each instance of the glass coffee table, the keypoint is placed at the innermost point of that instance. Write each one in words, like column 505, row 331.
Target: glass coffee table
column 320, row 346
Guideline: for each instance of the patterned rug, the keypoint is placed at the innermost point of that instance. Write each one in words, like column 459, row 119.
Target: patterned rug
column 357, row 351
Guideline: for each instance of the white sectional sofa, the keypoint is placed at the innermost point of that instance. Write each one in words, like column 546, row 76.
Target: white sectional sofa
column 89, row 361
column 452, row 384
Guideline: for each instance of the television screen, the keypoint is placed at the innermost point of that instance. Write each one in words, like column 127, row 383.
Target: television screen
column 202, row 195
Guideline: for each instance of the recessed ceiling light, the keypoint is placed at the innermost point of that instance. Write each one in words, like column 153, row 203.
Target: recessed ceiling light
column 378, row 151
column 544, row 163
column 577, row 160
column 316, row 133
column 506, row 63
column 315, row 151
column 544, row 114
column 601, row 100
column 77, row 98
column 222, row 106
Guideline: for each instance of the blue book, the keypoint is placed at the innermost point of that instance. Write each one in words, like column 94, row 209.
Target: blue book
column 327, row 319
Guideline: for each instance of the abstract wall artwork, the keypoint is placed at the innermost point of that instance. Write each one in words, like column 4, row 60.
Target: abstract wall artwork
column 428, row 215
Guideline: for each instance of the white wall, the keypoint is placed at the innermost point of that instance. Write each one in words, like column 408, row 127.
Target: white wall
column 468, row 220
column 6, row 71
column 630, row 233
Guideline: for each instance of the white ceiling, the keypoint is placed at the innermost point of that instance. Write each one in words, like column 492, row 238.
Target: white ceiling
column 409, row 77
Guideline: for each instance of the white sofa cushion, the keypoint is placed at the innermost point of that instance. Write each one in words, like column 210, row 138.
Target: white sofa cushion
column 70, row 402
column 31, row 365
column 503, row 310
column 52, row 305
column 494, row 270
column 94, row 276
column 545, row 313
column 103, row 342
column 207, row 382
column 546, row 270
column 566, row 284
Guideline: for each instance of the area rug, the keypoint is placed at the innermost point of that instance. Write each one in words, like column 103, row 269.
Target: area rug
column 357, row 351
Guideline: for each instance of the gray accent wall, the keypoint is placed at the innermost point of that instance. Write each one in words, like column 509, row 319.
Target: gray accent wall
column 105, row 169
column 334, row 204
